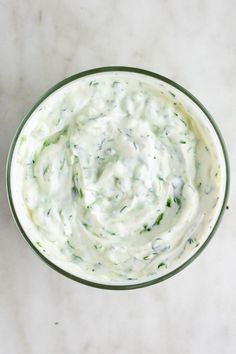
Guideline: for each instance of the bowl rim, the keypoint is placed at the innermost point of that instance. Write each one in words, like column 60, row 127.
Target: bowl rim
column 34, row 107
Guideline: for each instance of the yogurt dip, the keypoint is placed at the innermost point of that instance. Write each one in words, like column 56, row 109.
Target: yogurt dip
column 118, row 178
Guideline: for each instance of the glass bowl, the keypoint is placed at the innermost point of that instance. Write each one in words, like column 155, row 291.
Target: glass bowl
column 176, row 88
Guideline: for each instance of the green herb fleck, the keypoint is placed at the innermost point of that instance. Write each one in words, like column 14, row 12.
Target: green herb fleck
column 172, row 94
column 85, row 224
column 116, row 179
column 100, row 158
column 69, row 244
column 93, row 83
column 48, row 212
column 159, row 218
column 177, row 200
column 145, row 228
column 162, row 265
column 115, row 83
column 193, row 241
column 206, row 148
column 182, row 142
column 62, row 164
column 97, row 247
column 54, row 138
column 123, row 208
column 183, row 122
column 81, row 194
column 45, row 170
column 145, row 258
column 168, row 203
column 75, row 191
column 77, row 258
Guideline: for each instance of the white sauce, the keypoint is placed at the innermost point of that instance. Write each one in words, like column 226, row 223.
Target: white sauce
column 118, row 178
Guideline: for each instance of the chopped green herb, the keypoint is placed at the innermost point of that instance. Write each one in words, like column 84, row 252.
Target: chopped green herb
column 45, row 170
column 62, row 164
column 206, row 148
column 193, row 241
column 75, row 191
column 183, row 122
column 159, row 218
column 85, row 224
column 182, row 142
column 162, row 264
column 97, row 247
column 115, row 83
column 48, row 212
column 54, row 138
column 145, row 228
column 145, row 258
column 81, row 194
column 100, row 158
column 116, row 179
column 160, row 178
column 77, row 258
column 69, row 244
column 93, row 83
column 168, row 203
column 172, row 94
column 123, row 208
column 177, row 200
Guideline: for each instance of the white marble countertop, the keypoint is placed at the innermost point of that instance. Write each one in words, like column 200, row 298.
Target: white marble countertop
column 192, row 42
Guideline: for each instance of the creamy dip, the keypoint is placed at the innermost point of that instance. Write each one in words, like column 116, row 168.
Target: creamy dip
column 117, row 178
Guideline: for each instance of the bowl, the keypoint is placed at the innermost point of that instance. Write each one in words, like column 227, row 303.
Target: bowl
column 194, row 107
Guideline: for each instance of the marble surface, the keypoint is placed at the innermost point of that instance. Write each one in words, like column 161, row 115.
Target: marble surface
column 192, row 42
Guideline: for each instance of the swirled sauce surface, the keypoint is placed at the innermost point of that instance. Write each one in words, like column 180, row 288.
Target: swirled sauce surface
column 115, row 180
